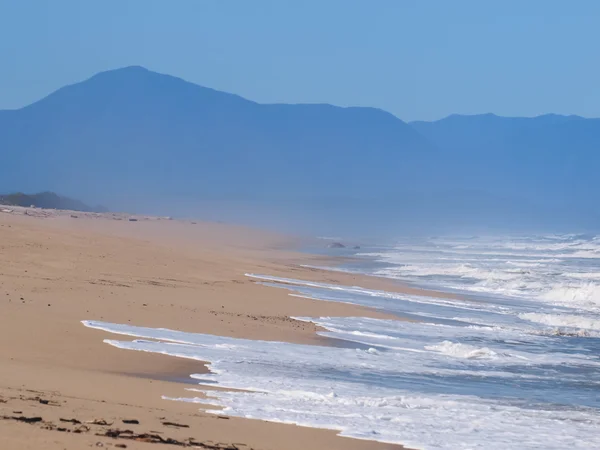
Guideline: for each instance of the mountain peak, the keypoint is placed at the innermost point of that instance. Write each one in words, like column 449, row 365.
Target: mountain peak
column 130, row 71
column 132, row 68
column 131, row 86
column 138, row 73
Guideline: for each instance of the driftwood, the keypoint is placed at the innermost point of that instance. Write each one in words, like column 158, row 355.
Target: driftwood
column 131, row 421
column 173, row 424
column 23, row 419
column 73, row 421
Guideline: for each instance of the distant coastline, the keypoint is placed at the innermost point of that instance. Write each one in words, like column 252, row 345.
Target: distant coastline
column 48, row 200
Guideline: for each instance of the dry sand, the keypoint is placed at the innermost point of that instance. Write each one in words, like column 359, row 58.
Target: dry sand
column 56, row 270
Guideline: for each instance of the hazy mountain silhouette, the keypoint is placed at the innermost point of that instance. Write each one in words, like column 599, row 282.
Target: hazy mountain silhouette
column 142, row 133
column 137, row 140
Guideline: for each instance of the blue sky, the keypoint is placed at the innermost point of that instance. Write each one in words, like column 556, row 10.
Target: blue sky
column 419, row 59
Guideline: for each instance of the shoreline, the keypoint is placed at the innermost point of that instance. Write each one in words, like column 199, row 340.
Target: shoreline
column 57, row 271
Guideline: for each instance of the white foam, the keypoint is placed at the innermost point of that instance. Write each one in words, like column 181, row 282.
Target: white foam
column 563, row 320
column 584, row 295
column 426, row 338
column 583, row 275
column 561, row 270
column 459, row 350
column 346, row 390
column 455, row 270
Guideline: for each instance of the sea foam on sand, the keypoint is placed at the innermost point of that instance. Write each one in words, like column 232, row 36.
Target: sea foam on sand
column 399, row 393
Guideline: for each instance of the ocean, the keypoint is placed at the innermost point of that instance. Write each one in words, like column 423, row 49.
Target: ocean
column 513, row 363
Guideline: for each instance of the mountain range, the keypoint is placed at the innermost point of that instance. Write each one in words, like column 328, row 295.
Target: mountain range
column 147, row 142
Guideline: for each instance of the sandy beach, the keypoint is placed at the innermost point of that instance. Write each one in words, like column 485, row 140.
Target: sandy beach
column 59, row 268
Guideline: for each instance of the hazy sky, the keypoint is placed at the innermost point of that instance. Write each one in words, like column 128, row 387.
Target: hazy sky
column 419, row 59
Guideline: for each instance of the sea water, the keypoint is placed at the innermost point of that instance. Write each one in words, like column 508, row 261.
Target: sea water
column 515, row 363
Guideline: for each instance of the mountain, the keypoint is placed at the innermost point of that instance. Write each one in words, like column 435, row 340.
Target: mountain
column 145, row 142
column 132, row 132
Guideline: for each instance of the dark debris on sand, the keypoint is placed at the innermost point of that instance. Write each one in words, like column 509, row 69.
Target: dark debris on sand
column 116, row 433
column 102, row 428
